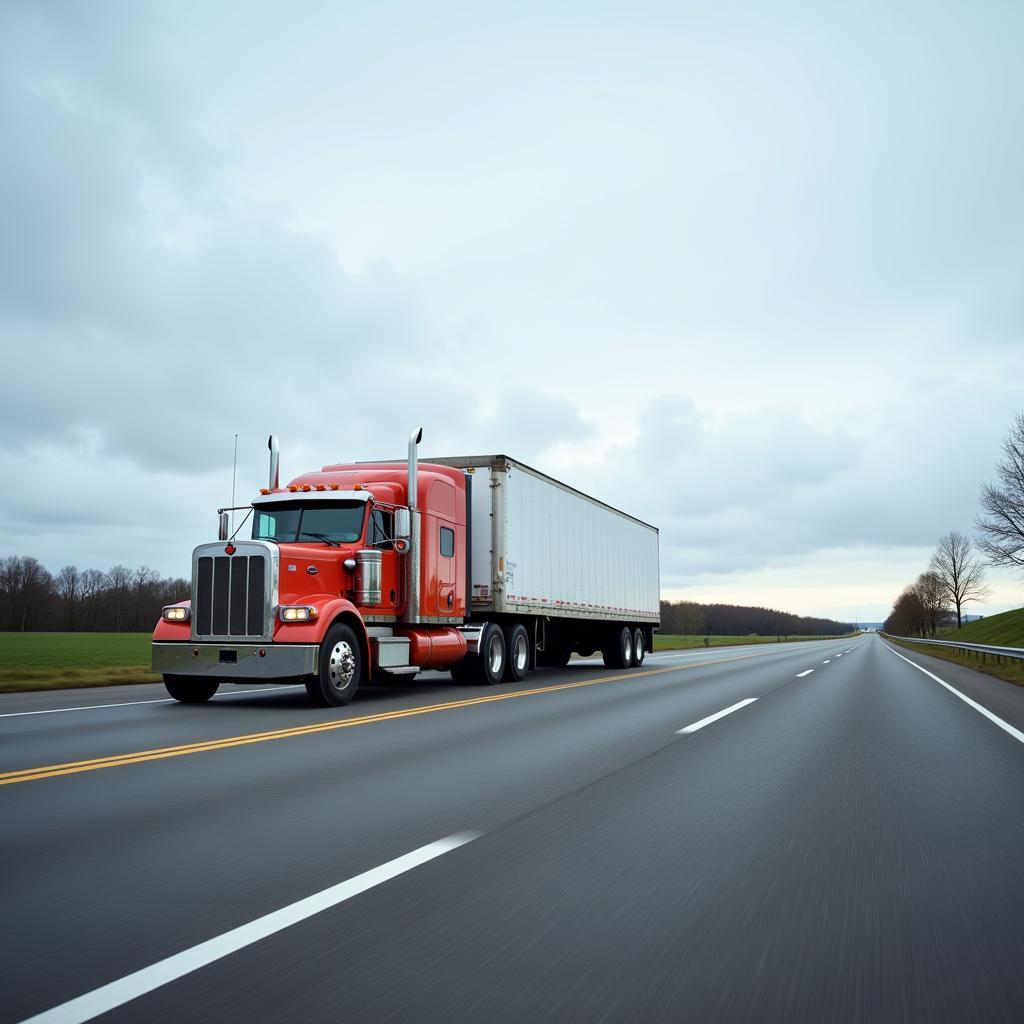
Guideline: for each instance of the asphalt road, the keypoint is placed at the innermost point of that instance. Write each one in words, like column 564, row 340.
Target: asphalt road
column 845, row 844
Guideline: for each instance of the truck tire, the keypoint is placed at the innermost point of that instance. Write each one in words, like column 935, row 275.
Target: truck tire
column 517, row 653
column 488, row 667
column 191, row 689
column 639, row 649
column 618, row 649
column 340, row 671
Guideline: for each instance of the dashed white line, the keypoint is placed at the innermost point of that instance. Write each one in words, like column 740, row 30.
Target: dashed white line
column 1015, row 733
column 840, row 655
column 715, row 717
column 829, row 662
column 132, row 703
column 800, row 675
column 117, row 993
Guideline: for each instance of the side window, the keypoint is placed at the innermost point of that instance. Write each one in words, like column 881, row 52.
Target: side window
column 447, row 542
column 381, row 530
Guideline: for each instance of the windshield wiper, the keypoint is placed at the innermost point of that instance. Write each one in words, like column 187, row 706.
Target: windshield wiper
column 323, row 537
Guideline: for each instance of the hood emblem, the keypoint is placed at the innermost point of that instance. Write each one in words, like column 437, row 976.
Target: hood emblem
column 312, row 570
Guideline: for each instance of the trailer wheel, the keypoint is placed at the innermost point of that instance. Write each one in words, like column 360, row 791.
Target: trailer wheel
column 517, row 653
column 191, row 689
column 639, row 650
column 618, row 649
column 341, row 669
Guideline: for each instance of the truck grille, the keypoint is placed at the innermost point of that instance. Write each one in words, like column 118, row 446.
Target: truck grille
column 230, row 596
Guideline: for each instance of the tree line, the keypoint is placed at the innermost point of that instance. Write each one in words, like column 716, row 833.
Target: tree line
column 119, row 600
column 691, row 619
column 956, row 572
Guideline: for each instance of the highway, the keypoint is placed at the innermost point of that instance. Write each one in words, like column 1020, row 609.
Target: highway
column 812, row 831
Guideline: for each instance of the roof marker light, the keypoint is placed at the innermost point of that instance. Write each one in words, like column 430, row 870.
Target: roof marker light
column 264, row 490
column 334, row 487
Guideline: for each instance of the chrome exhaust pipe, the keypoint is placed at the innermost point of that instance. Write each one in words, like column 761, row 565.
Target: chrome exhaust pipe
column 275, row 462
column 412, row 558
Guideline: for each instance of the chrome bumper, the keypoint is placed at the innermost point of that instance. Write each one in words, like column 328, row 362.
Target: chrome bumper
column 236, row 661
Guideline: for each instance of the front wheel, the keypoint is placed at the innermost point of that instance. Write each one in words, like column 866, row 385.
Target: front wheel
column 191, row 689
column 340, row 670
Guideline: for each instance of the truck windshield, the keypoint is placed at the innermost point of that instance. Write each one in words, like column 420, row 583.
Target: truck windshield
column 328, row 522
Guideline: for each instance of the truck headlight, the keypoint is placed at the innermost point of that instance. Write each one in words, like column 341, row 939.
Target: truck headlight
column 176, row 613
column 297, row 613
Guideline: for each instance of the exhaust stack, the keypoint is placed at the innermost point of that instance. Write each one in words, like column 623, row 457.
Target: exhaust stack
column 275, row 462
column 412, row 576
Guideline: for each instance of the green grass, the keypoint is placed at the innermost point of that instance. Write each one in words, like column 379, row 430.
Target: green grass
column 1003, row 630
column 674, row 642
column 48, row 661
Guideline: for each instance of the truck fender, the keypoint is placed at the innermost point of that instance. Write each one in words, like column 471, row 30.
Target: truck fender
column 331, row 609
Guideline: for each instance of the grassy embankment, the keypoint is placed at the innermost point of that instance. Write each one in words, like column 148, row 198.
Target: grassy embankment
column 50, row 661
column 1003, row 630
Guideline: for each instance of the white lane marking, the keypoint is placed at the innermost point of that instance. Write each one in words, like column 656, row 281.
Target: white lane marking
column 800, row 675
column 829, row 662
column 715, row 717
column 1015, row 733
column 132, row 703
column 117, row 993
column 839, row 655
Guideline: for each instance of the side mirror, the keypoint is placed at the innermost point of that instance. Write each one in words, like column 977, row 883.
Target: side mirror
column 222, row 526
column 403, row 528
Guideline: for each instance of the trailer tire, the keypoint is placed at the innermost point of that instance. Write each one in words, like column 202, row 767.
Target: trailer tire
column 341, row 669
column 191, row 689
column 517, row 653
column 618, row 649
column 639, row 648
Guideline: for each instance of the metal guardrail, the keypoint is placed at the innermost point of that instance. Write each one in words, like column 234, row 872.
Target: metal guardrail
column 1013, row 653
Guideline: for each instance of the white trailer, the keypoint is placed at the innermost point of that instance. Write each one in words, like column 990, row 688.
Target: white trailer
column 580, row 575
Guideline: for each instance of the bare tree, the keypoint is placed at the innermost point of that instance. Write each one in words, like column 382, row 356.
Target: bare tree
column 68, row 585
column 26, row 587
column 960, row 571
column 932, row 594
column 1002, row 524
column 907, row 615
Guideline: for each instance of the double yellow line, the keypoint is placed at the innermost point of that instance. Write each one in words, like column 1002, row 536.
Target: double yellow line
column 141, row 756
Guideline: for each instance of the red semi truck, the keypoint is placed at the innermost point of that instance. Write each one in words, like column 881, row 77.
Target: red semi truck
column 374, row 571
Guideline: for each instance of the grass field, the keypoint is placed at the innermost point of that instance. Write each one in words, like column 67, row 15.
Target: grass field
column 1003, row 630
column 44, row 661
column 675, row 642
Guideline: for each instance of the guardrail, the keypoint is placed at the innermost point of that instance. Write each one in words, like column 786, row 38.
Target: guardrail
column 985, row 650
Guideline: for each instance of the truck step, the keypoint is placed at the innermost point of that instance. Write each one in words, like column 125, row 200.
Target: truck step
column 400, row 670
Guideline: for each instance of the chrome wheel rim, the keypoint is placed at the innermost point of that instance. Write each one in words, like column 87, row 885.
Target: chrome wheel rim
column 341, row 666
column 627, row 649
column 496, row 653
column 520, row 653
column 638, row 650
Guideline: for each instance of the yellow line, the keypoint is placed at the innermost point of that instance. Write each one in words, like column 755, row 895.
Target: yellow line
column 137, row 757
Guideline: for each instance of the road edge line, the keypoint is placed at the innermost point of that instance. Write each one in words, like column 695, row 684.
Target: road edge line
column 1005, row 726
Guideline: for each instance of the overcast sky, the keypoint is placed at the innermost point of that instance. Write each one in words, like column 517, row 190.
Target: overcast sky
column 750, row 272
